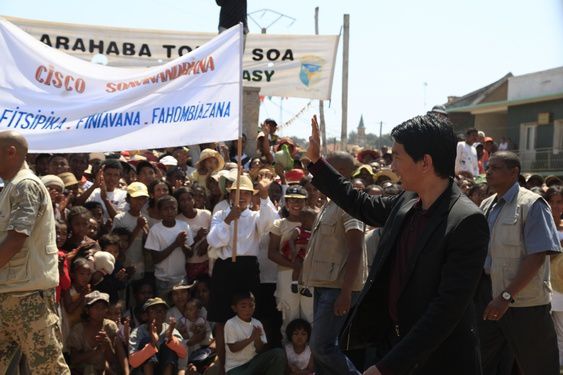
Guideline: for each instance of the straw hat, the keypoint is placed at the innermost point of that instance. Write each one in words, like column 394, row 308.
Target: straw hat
column 365, row 167
column 386, row 173
column 210, row 153
column 557, row 273
column 245, row 184
column 362, row 154
column 68, row 179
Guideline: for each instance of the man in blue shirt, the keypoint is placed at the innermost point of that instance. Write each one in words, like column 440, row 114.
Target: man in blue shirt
column 515, row 290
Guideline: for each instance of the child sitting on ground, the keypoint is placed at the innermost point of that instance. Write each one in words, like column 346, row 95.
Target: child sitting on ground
column 297, row 350
column 296, row 247
column 156, row 345
column 92, row 341
column 245, row 340
column 193, row 326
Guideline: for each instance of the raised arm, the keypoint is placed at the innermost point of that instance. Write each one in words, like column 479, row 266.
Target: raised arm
column 367, row 208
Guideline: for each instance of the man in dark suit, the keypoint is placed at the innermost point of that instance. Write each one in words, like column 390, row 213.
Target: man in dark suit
column 416, row 307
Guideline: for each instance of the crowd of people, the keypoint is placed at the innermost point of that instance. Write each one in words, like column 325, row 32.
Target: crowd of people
column 165, row 268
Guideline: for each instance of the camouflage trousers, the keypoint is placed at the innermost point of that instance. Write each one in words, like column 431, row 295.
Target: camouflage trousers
column 29, row 322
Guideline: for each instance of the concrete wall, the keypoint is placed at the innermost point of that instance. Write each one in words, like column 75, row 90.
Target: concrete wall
column 250, row 115
column 499, row 94
column 494, row 125
column 548, row 82
column 529, row 113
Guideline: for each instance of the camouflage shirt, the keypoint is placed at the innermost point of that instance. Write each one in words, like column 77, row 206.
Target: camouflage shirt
column 25, row 206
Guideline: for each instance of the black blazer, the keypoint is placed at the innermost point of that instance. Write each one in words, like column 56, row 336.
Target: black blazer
column 437, row 322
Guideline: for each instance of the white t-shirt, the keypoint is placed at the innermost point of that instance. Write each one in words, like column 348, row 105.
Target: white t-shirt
column 202, row 219
column 117, row 197
column 237, row 330
column 173, row 268
column 134, row 256
column 301, row 360
column 466, row 159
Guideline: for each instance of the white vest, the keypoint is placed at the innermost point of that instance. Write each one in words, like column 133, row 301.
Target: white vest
column 507, row 250
column 35, row 266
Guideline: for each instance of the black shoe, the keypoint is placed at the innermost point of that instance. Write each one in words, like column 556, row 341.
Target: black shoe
column 306, row 292
column 294, row 288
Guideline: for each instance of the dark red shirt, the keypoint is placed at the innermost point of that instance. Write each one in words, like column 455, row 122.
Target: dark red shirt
column 412, row 230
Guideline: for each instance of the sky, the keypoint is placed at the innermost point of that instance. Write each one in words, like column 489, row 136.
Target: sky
column 405, row 55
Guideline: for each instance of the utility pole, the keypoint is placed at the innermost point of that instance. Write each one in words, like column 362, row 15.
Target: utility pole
column 345, row 55
column 321, row 102
column 380, row 133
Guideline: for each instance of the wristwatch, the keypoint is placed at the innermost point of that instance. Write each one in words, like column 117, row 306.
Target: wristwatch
column 505, row 295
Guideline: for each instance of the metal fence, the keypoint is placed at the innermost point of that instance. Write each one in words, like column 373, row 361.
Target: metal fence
column 541, row 160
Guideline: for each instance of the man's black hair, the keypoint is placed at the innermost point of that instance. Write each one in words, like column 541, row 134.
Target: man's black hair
column 182, row 190
column 92, row 205
column 144, row 164
column 121, row 231
column 108, row 240
column 112, row 163
column 272, row 122
column 471, row 131
column 509, row 158
column 432, row 135
column 164, row 199
column 136, row 285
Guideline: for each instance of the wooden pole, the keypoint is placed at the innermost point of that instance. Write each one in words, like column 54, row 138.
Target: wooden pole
column 237, row 198
column 321, row 102
column 239, row 147
column 345, row 62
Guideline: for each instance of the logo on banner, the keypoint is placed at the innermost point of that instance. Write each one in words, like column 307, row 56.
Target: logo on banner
column 310, row 71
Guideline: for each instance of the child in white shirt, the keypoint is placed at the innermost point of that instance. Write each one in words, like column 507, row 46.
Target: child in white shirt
column 169, row 242
column 245, row 340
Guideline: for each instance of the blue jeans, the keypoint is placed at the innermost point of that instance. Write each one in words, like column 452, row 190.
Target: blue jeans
column 329, row 359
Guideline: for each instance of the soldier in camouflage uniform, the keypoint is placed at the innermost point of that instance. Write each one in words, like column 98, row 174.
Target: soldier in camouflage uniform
column 28, row 265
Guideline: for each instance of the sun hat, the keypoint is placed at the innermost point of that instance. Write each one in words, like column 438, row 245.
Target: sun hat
column 153, row 302
column 137, row 189
column 52, row 180
column 95, row 296
column 183, row 284
column 365, row 167
column 68, row 179
column 169, row 161
column 210, row 153
column 386, row 173
column 362, row 154
column 245, row 184
column 97, row 156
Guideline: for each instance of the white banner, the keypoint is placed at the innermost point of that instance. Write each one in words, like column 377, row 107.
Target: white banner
column 300, row 66
column 64, row 104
